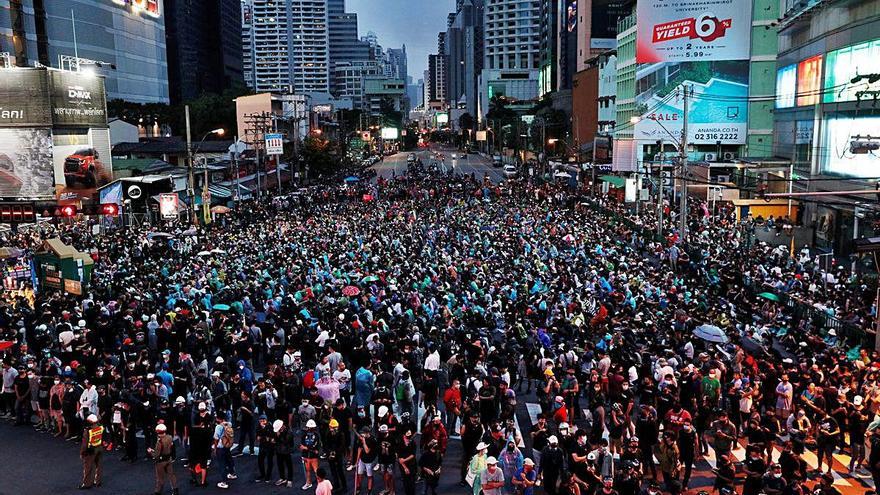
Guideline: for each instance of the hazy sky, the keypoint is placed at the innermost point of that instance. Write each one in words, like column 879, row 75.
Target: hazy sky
column 411, row 22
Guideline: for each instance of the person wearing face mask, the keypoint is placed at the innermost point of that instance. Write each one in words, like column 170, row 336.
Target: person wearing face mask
column 653, row 488
column 669, row 458
column 335, row 446
column 551, row 466
column 406, row 460
column 754, row 466
column 687, row 447
column 164, row 454
column 200, row 443
column 773, row 483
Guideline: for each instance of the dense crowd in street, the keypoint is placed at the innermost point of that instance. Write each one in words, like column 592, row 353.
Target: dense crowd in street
column 357, row 328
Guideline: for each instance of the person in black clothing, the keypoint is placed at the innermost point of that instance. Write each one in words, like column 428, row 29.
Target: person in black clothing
column 406, row 459
column 430, row 464
column 754, row 466
column 857, row 421
column 687, row 449
column 335, row 447
column 200, row 442
column 246, row 409
column 648, row 433
column 471, row 434
column 551, row 466
column 266, row 441
column 283, row 448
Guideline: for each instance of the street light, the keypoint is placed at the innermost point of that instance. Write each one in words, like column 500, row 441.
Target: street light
column 191, row 181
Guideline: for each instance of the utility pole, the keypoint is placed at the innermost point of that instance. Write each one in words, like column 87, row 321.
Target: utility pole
column 683, row 156
column 191, row 184
column 256, row 127
column 660, row 190
column 235, row 198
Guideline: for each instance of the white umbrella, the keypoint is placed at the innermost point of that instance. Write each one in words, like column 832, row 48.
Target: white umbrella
column 218, row 251
column 711, row 333
column 564, row 175
column 204, row 253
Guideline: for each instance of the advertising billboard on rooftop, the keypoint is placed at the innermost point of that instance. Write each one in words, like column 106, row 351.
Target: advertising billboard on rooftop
column 24, row 101
column 689, row 30
column 77, row 99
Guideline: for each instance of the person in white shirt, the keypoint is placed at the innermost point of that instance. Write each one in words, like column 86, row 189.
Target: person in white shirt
column 88, row 400
column 432, row 362
column 343, row 376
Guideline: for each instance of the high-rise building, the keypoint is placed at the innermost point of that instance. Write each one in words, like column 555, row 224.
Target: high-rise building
column 286, row 45
column 345, row 45
column 126, row 45
column 397, row 62
column 204, row 47
column 464, row 54
column 511, row 51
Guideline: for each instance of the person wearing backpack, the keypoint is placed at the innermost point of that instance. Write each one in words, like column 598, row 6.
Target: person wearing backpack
column 224, row 437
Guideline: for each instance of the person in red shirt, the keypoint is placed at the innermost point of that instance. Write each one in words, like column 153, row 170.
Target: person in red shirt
column 676, row 417
column 435, row 431
column 452, row 404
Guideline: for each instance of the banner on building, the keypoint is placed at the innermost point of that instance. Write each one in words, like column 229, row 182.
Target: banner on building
column 26, row 163
column 168, row 205
column 274, row 144
column 717, row 107
column 81, row 162
column 24, row 101
column 78, row 99
column 688, row 30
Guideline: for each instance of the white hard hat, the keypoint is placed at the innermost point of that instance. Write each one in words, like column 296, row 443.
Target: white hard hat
column 276, row 426
column 311, row 424
column 92, row 418
column 161, row 427
column 383, row 410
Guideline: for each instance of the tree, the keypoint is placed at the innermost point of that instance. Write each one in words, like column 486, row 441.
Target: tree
column 466, row 121
column 316, row 153
column 390, row 116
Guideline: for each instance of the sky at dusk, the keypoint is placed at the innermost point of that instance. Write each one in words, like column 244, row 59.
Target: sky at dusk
column 414, row 23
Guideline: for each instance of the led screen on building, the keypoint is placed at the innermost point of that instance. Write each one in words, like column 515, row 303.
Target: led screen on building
column 24, row 101
column 689, row 30
column 840, row 131
column 846, row 64
column 786, row 86
column 809, row 80
column 26, row 163
column 77, row 99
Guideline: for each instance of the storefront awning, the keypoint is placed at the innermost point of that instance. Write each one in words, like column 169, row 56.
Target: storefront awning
column 615, row 181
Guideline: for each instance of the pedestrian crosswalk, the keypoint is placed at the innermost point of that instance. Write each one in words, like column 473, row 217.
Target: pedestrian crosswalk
column 842, row 477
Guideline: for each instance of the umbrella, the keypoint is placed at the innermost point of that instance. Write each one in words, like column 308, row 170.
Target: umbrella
column 218, row 251
column 220, row 209
column 203, row 253
column 158, row 234
column 221, row 307
column 350, row 291
column 190, row 232
column 370, row 278
column 563, row 175
column 711, row 333
column 10, row 252
column 769, row 296
column 351, row 179
column 5, row 344
column 568, row 238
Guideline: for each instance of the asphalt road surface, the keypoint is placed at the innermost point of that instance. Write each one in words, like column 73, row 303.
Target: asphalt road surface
column 36, row 463
column 396, row 165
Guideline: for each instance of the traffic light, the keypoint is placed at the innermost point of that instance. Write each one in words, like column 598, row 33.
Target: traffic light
column 68, row 211
column 12, row 213
column 110, row 210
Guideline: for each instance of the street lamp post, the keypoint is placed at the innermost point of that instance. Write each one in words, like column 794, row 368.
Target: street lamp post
column 190, row 165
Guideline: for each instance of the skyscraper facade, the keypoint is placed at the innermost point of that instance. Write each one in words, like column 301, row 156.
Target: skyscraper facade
column 464, row 54
column 204, row 47
column 123, row 43
column 286, row 44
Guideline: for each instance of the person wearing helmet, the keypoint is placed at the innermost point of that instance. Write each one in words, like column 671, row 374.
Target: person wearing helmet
column 310, row 448
column 266, row 441
column 91, row 452
column 163, row 454
column 335, row 446
column 525, row 478
column 283, row 448
column 551, row 465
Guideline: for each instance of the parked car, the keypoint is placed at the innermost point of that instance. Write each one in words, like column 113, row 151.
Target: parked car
column 496, row 161
column 510, row 171
column 83, row 167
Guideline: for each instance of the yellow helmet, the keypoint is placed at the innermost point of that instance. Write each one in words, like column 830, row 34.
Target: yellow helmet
column 334, row 423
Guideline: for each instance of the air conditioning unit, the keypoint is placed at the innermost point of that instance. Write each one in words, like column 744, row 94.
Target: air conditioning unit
column 720, row 178
column 710, row 157
column 729, row 156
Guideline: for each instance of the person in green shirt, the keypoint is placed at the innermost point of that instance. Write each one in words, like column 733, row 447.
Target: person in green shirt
column 710, row 387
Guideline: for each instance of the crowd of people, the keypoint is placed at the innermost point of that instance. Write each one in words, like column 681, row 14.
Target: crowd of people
column 358, row 327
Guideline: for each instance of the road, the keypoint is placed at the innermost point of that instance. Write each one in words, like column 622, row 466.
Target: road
column 50, row 466
column 472, row 164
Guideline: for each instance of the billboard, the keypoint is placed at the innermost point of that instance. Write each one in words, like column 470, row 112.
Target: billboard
column 718, row 109
column 442, row 118
column 274, row 144
column 26, row 163
column 147, row 7
column 77, row 99
column 604, row 16
column 24, row 101
column 846, row 64
column 390, row 133
column 786, row 86
column 168, row 205
column 809, row 80
column 840, row 130
column 81, row 162
column 688, row 30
